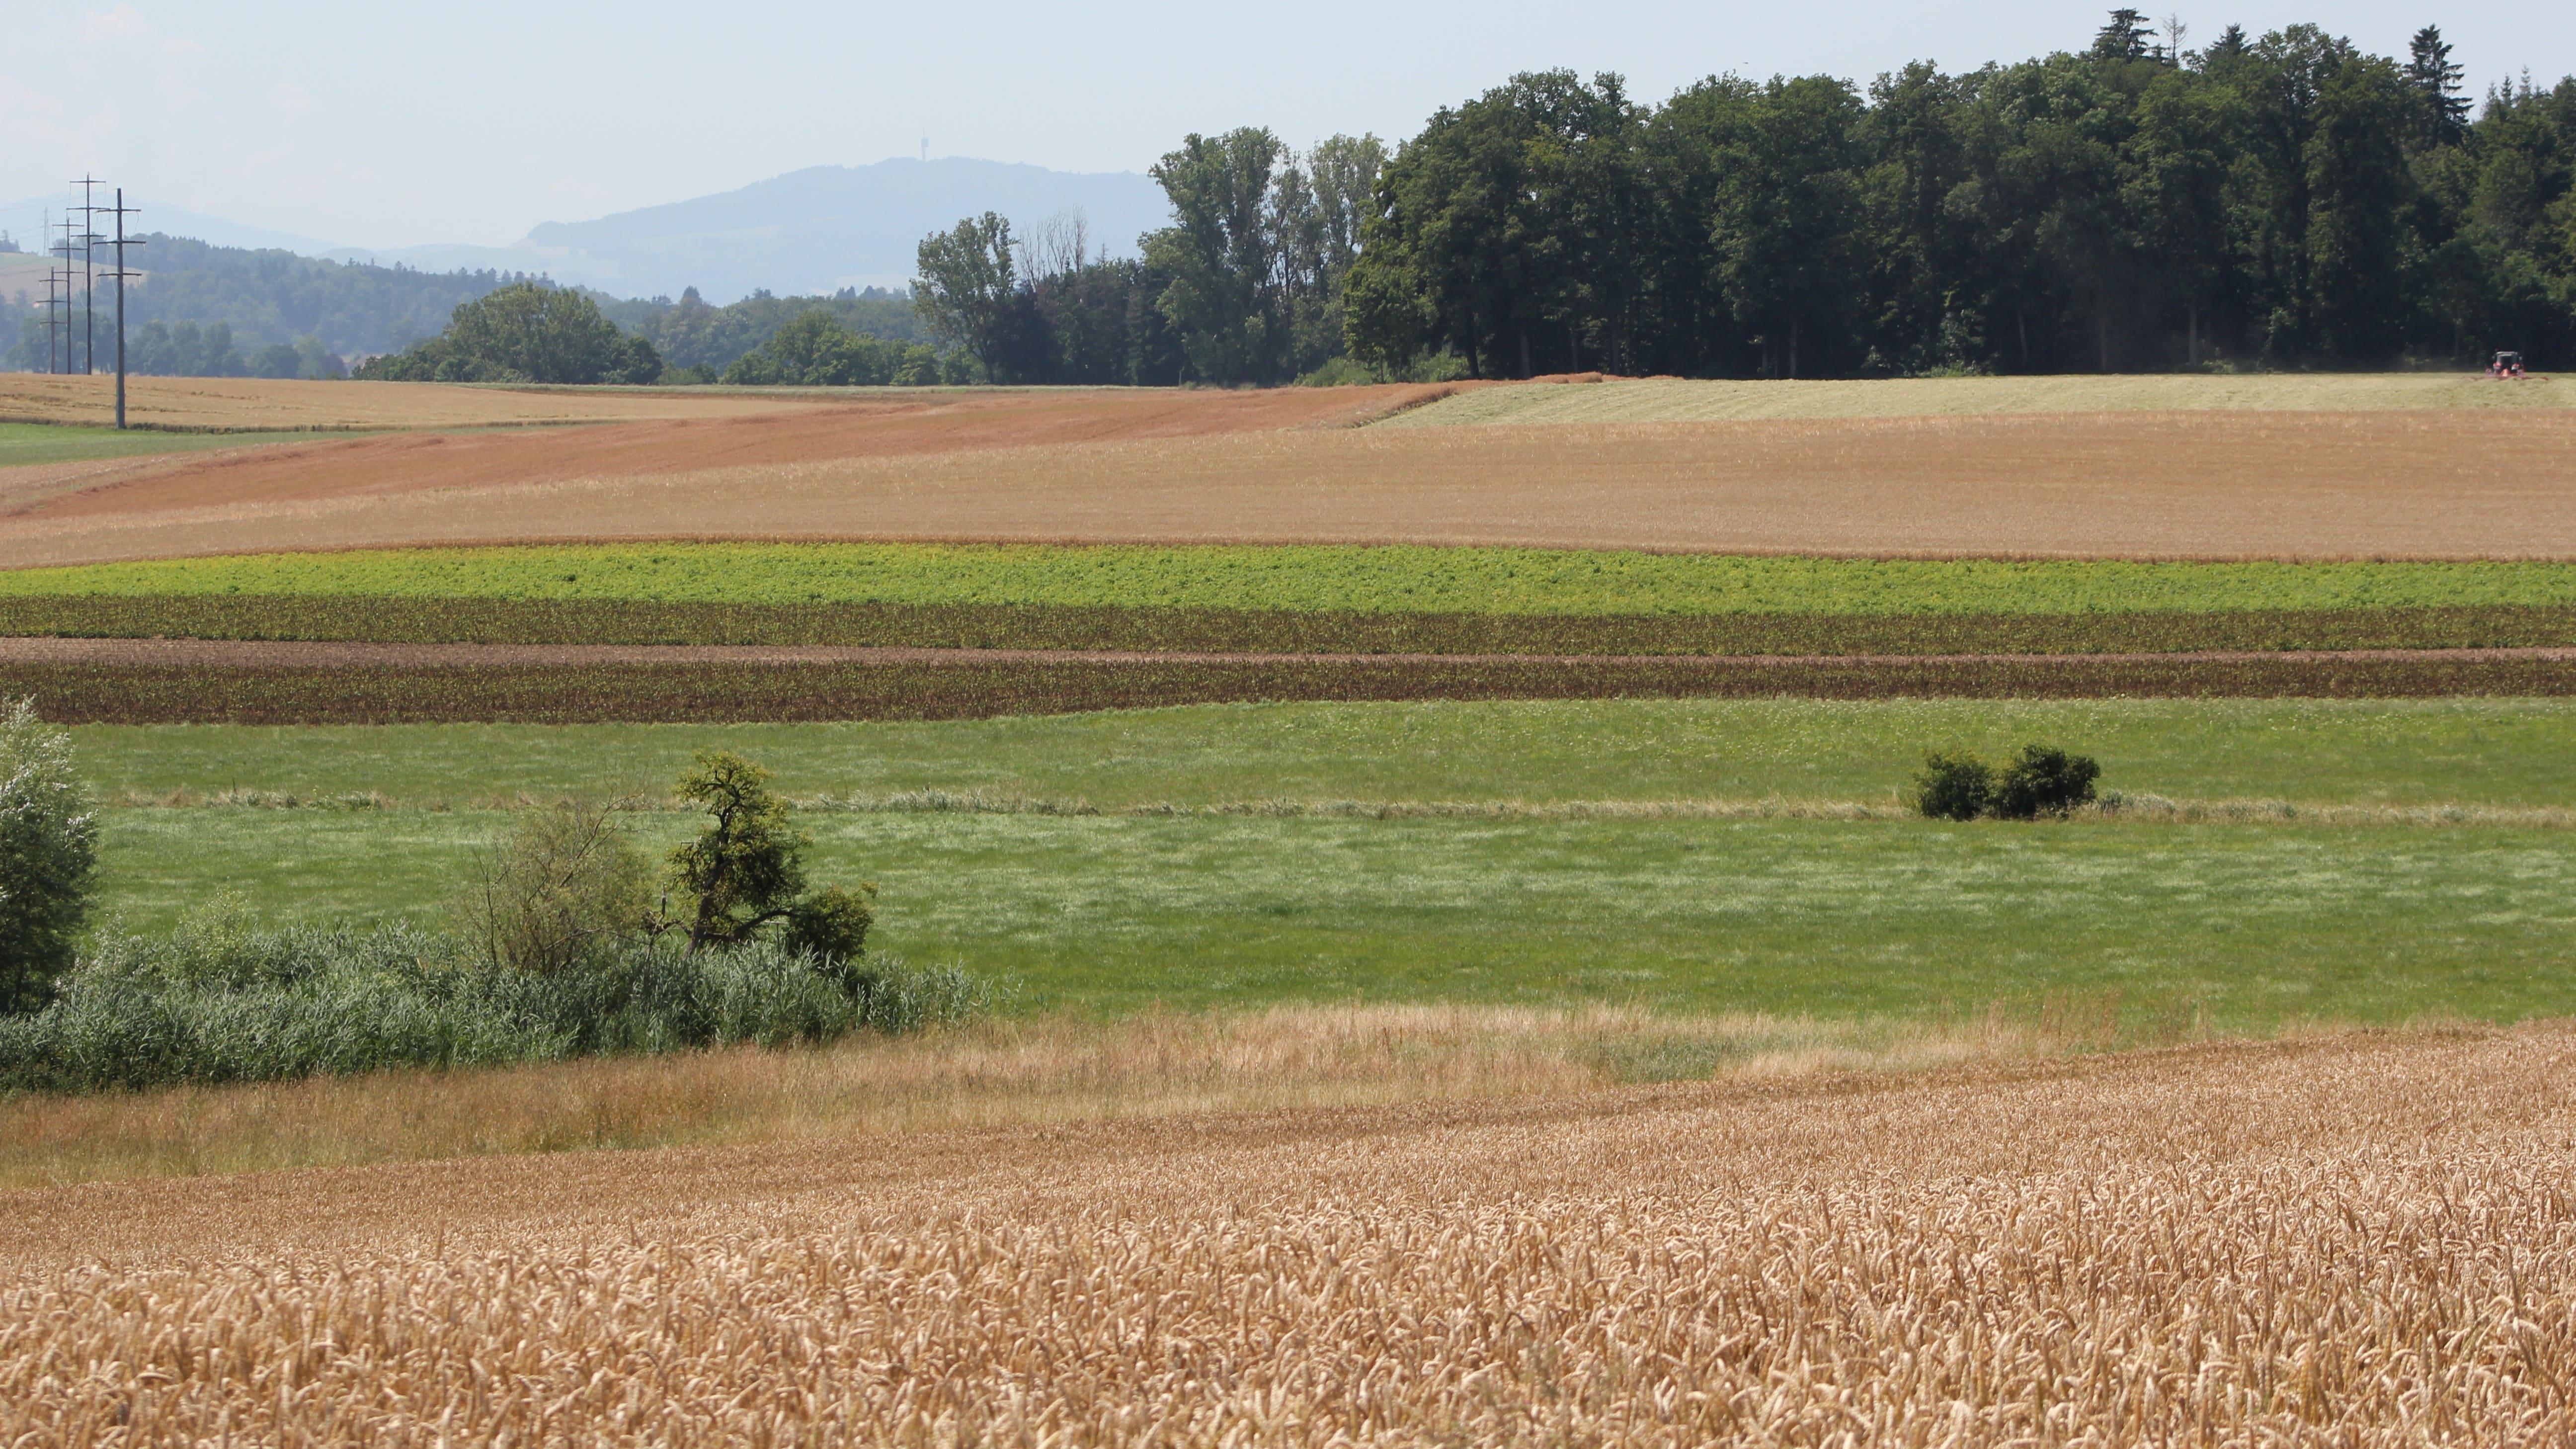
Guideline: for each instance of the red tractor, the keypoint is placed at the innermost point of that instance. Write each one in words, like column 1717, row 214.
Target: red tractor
column 2507, row 367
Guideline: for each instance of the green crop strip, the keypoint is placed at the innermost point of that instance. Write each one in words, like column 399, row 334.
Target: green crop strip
column 1299, row 579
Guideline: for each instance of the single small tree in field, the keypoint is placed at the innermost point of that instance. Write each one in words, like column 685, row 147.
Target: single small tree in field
column 48, row 856
column 565, row 881
column 746, row 872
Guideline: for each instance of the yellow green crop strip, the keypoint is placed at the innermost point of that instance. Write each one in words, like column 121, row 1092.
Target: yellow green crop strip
column 1366, row 580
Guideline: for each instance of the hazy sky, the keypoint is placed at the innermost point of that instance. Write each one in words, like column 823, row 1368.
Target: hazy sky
column 471, row 120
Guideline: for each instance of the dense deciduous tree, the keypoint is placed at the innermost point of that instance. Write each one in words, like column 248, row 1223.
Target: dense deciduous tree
column 529, row 332
column 2280, row 200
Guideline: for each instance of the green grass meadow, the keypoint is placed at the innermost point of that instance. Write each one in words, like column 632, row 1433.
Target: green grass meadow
column 2369, row 752
column 23, row 444
column 2255, row 923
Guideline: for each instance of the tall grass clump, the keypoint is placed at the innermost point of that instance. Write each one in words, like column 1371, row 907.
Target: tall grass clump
column 562, row 950
column 222, row 1000
column 48, row 855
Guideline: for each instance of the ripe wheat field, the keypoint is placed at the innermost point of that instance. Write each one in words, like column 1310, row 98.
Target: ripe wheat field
column 2353, row 1240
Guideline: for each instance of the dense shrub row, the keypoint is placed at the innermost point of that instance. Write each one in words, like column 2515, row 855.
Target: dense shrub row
column 975, row 688
column 1049, row 626
column 218, row 1004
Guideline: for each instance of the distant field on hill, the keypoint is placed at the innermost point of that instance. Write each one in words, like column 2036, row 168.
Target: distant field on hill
column 1672, row 400
column 246, row 404
column 25, row 445
column 2429, row 484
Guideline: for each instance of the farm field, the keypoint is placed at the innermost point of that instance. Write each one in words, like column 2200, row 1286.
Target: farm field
column 1686, row 856
column 1312, row 579
column 262, row 405
column 1676, row 400
column 2362, row 1238
column 2259, row 923
column 1291, row 599
column 28, row 445
column 2500, row 753
column 1274, row 468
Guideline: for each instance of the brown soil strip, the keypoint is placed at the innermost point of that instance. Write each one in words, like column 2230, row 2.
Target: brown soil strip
column 2130, row 485
column 1271, row 631
column 329, row 654
column 979, row 684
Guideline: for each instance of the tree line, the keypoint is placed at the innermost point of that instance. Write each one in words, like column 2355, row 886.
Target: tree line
column 2281, row 201
column 1245, row 285
column 2276, row 201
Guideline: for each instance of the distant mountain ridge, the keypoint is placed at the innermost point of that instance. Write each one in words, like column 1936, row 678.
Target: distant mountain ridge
column 816, row 230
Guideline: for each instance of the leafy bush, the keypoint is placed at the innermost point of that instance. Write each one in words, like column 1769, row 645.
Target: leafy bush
column 1954, row 785
column 745, row 872
column 222, row 1002
column 48, row 856
column 2041, row 780
column 565, row 881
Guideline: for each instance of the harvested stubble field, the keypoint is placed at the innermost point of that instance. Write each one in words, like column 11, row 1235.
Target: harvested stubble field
column 1675, row 400
column 264, row 405
column 2357, row 1240
column 2211, row 484
column 137, row 681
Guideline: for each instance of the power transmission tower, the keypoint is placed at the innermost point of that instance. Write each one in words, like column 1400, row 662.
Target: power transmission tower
column 89, row 240
column 122, row 211
column 58, row 292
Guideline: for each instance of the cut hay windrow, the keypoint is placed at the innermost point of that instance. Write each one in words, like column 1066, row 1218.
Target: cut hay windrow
column 972, row 685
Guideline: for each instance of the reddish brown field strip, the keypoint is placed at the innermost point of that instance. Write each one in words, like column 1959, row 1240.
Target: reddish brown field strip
column 789, row 431
column 2456, row 484
column 356, row 684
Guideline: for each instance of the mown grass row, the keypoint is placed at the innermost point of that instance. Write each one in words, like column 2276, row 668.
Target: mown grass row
column 1307, row 579
column 972, row 689
column 1280, row 631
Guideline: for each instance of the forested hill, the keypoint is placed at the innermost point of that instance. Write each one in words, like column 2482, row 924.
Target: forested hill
column 210, row 310
column 264, row 298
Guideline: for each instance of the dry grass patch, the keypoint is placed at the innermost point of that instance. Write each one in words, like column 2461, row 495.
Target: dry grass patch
column 1674, row 400
column 1040, row 1072
column 2356, row 1240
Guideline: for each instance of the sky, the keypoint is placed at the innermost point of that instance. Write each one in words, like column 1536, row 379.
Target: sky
column 473, row 120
